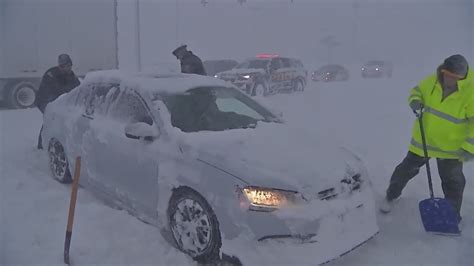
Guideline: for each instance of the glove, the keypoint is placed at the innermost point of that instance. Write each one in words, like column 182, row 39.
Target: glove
column 416, row 105
column 466, row 156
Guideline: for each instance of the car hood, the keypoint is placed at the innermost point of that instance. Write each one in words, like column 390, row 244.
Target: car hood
column 242, row 71
column 272, row 155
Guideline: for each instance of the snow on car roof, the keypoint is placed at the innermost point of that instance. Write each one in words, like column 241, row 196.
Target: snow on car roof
column 166, row 83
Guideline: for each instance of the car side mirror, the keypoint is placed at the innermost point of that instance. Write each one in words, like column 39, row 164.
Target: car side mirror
column 141, row 130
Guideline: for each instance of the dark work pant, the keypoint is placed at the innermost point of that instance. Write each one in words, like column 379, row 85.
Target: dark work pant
column 40, row 144
column 450, row 172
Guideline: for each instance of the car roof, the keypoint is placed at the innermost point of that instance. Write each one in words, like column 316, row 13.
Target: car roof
column 331, row 66
column 161, row 83
column 375, row 62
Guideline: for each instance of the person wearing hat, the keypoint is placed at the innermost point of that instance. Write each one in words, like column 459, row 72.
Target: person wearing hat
column 56, row 81
column 190, row 63
column 447, row 100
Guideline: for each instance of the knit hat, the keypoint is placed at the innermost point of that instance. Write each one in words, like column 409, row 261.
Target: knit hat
column 456, row 64
column 182, row 47
column 64, row 59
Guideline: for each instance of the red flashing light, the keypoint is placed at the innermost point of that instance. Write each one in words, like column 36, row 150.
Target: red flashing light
column 267, row 55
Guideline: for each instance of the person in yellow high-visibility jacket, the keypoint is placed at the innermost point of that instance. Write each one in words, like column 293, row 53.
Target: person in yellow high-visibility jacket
column 447, row 100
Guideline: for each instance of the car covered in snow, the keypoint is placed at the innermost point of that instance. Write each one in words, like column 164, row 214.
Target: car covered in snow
column 329, row 73
column 267, row 74
column 219, row 171
column 377, row 69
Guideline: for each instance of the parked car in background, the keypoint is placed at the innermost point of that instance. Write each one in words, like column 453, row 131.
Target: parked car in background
column 215, row 66
column 377, row 69
column 329, row 73
column 198, row 158
column 267, row 74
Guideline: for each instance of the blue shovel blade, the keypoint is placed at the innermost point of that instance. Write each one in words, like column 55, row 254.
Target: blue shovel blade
column 439, row 216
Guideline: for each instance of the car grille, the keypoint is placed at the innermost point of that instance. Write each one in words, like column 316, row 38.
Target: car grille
column 353, row 182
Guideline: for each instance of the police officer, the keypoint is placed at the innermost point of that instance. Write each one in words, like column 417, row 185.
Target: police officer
column 190, row 63
column 56, row 81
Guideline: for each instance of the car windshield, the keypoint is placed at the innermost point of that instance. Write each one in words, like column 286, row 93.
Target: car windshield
column 255, row 63
column 330, row 68
column 374, row 63
column 215, row 109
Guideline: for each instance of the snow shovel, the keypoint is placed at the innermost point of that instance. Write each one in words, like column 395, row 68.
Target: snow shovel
column 437, row 214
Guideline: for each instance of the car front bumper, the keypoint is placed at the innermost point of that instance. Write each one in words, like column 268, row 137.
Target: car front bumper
column 315, row 233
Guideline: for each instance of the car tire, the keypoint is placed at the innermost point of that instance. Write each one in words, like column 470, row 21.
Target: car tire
column 298, row 85
column 188, row 206
column 21, row 95
column 259, row 90
column 58, row 163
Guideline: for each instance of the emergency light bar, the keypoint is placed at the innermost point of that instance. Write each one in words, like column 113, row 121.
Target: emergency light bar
column 267, row 55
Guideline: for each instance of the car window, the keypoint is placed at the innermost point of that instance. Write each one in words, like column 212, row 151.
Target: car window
column 296, row 63
column 285, row 62
column 215, row 109
column 254, row 63
column 96, row 98
column 84, row 92
column 275, row 64
column 238, row 107
column 129, row 108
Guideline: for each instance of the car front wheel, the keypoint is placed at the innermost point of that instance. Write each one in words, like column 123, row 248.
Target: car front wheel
column 259, row 90
column 58, row 162
column 298, row 85
column 194, row 225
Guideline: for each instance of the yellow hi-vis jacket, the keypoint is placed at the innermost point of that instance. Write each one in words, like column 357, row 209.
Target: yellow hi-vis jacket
column 448, row 123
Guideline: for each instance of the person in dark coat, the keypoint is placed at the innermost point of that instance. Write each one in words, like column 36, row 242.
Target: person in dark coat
column 190, row 63
column 55, row 82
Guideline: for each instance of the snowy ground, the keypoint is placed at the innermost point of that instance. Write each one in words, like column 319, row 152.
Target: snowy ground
column 369, row 116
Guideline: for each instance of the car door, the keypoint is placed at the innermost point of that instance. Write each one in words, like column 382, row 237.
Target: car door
column 276, row 74
column 94, row 100
column 288, row 73
column 126, row 167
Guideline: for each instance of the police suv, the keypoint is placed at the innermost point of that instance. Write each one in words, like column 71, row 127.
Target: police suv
column 267, row 74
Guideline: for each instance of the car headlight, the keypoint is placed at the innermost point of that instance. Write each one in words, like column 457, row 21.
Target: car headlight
column 267, row 199
column 216, row 76
column 246, row 76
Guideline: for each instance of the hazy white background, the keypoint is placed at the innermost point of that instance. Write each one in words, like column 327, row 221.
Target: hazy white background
column 371, row 116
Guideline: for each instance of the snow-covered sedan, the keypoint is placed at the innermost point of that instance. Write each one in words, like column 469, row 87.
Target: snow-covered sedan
column 197, row 156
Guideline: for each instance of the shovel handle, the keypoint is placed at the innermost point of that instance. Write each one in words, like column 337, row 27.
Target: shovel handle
column 425, row 149
column 72, row 207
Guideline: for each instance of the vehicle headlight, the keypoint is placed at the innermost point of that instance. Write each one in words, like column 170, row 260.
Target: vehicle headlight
column 246, row 76
column 216, row 76
column 267, row 199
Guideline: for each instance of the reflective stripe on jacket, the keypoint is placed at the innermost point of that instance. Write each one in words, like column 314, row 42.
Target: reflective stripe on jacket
column 448, row 123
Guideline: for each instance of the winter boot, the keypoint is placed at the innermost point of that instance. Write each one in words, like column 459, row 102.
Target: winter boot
column 386, row 205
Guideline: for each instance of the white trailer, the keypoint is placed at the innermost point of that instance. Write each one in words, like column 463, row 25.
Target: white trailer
column 34, row 32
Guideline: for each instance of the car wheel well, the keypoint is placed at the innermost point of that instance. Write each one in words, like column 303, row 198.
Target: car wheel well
column 184, row 192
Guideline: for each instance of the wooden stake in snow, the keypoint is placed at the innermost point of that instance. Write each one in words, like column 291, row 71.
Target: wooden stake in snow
column 72, row 207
